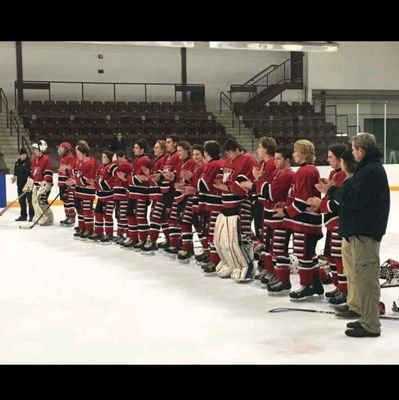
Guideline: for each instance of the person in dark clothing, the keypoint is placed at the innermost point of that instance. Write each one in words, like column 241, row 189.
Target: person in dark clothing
column 22, row 171
column 365, row 203
column 118, row 143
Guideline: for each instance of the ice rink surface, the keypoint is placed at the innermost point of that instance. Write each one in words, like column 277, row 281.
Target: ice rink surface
column 64, row 301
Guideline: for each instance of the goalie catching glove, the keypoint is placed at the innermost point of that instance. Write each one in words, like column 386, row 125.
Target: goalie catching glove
column 28, row 185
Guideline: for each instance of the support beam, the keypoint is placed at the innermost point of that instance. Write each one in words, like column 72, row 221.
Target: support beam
column 20, row 78
column 183, row 53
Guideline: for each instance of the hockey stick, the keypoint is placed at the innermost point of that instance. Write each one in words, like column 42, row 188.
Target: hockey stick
column 11, row 204
column 386, row 285
column 276, row 310
column 44, row 212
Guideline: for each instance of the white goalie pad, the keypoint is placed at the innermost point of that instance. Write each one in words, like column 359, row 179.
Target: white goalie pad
column 40, row 206
column 237, row 257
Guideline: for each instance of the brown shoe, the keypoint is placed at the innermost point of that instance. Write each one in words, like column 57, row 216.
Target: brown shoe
column 360, row 332
column 347, row 315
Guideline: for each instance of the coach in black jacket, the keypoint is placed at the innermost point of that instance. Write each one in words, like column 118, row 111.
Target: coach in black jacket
column 364, row 202
column 22, row 171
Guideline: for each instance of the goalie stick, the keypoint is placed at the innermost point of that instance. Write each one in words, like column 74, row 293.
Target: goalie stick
column 11, row 204
column 44, row 212
column 276, row 310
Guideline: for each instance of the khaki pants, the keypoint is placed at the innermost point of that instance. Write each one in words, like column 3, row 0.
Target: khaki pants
column 352, row 298
column 364, row 267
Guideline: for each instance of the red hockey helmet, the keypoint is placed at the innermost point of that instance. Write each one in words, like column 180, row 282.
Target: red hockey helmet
column 64, row 147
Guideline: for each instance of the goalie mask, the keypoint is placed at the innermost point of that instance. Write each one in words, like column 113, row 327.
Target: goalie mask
column 40, row 145
column 63, row 148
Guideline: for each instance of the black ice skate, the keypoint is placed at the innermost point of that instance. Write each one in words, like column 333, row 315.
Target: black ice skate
column 304, row 292
column 107, row 239
column 128, row 243
column 149, row 248
column 339, row 299
column 70, row 221
column 279, row 288
column 95, row 236
column 139, row 245
column 84, row 235
column 64, row 221
column 268, row 278
column 163, row 245
column 203, row 256
column 333, row 293
column 184, row 256
column 210, row 269
column 171, row 251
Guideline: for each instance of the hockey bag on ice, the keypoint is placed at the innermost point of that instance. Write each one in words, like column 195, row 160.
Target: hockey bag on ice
column 389, row 271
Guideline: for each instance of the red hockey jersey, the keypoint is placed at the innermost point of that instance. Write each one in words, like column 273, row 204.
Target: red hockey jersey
column 69, row 161
column 273, row 192
column 41, row 169
column 297, row 217
column 139, row 189
column 120, row 186
column 331, row 218
column 85, row 170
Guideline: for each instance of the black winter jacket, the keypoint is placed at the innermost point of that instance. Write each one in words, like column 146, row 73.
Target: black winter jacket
column 364, row 199
column 22, row 171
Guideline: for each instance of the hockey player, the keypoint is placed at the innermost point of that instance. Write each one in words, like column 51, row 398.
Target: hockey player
column 119, row 184
column 85, row 170
column 333, row 243
column 42, row 176
column 191, row 213
column 274, row 192
column 266, row 149
column 306, row 225
column 103, row 212
column 160, row 212
column 138, row 188
column 155, row 177
column 210, row 200
column 67, row 162
column 265, row 170
column 232, row 230
column 185, row 165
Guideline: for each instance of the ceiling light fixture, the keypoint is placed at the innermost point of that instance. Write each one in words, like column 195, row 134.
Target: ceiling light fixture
column 277, row 46
column 157, row 44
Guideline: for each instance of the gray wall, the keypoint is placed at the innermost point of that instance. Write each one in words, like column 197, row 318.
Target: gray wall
column 356, row 65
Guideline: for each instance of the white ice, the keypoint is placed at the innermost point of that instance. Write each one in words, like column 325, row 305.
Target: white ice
column 64, row 301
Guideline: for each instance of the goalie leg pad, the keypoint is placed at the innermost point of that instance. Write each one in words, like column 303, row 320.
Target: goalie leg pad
column 237, row 255
column 221, row 243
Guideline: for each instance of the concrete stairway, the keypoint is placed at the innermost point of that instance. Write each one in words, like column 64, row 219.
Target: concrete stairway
column 243, row 135
column 9, row 144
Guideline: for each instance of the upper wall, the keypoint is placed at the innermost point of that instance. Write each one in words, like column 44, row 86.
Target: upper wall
column 356, row 65
column 217, row 69
column 8, row 69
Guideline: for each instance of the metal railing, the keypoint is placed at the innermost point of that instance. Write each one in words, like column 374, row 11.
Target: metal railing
column 259, row 75
column 4, row 101
column 277, row 75
column 49, row 85
column 27, row 146
column 14, row 126
column 343, row 127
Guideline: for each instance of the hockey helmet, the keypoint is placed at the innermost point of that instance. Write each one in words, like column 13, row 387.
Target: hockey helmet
column 41, row 145
column 64, row 147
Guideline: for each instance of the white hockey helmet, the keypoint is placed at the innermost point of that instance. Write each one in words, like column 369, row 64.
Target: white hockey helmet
column 41, row 145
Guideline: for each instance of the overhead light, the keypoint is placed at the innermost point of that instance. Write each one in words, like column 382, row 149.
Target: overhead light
column 276, row 46
column 157, row 44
